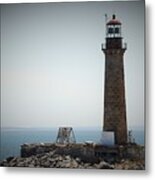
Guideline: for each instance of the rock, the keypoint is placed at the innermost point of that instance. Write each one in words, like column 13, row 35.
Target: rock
column 51, row 153
column 31, row 166
column 51, row 160
column 80, row 166
column 46, row 164
column 4, row 163
column 42, row 144
column 9, row 158
column 60, row 158
column 67, row 165
column 53, row 164
column 28, row 160
column 44, row 157
column 132, row 165
column 104, row 165
column 57, row 165
column 74, row 164
column 56, row 158
column 66, row 161
column 86, row 165
column 96, row 166
column 67, row 157
column 20, row 164
column 123, row 160
column 77, row 159
column 90, row 167
column 12, row 163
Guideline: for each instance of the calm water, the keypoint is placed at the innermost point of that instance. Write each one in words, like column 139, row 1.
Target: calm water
column 11, row 139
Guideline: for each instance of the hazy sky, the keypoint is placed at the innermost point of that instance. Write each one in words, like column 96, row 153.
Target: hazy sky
column 52, row 66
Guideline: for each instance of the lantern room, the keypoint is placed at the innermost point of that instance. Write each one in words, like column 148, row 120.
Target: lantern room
column 113, row 28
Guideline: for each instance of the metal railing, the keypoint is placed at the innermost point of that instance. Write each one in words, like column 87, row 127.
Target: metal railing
column 103, row 46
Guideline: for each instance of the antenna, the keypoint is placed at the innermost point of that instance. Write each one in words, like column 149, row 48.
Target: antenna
column 106, row 18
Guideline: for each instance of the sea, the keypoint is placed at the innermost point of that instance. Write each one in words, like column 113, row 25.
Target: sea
column 12, row 138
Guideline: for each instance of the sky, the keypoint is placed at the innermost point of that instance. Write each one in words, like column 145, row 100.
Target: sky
column 52, row 66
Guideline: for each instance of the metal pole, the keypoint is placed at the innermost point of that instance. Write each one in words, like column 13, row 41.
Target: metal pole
column 106, row 19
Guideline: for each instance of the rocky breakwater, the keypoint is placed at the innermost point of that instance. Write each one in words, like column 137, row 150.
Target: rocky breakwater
column 85, row 156
column 52, row 160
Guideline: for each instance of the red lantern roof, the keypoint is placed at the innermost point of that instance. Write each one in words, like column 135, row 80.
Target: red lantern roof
column 114, row 21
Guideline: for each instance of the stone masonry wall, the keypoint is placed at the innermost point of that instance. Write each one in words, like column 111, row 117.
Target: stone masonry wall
column 114, row 97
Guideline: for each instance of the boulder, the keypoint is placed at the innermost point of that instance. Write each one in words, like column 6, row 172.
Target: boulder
column 104, row 165
column 86, row 165
column 31, row 166
column 74, row 164
column 77, row 159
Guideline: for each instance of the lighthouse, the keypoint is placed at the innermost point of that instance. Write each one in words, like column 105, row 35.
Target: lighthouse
column 114, row 119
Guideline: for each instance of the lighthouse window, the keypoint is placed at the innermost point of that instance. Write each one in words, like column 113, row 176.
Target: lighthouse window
column 110, row 30
column 117, row 30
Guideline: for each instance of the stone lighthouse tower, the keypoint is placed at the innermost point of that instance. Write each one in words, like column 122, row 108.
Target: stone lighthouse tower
column 114, row 95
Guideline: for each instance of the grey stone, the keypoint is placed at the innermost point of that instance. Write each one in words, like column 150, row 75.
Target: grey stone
column 67, row 157
column 66, row 161
column 31, row 166
column 46, row 164
column 74, row 164
column 78, row 159
column 68, row 165
column 104, row 165
column 51, row 159
column 60, row 158
column 86, row 165
column 20, row 164
column 96, row 166
column 43, row 158
column 51, row 153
